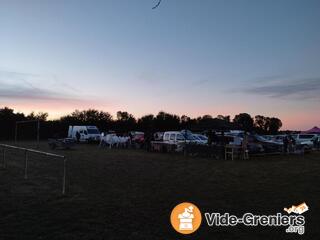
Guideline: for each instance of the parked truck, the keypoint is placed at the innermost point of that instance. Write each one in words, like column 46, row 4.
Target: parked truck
column 176, row 140
column 86, row 133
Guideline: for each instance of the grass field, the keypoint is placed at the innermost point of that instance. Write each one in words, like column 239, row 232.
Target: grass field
column 129, row 194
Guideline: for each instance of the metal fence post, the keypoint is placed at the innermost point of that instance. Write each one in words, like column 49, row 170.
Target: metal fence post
column 3, row 147
column 26, row 164
column 64, row 176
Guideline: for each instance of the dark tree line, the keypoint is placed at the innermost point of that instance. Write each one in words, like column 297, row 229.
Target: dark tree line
column 260, row 124
column 125, row 122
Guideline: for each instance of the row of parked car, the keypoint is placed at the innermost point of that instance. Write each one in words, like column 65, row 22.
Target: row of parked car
column 306, row 140
column 274, row 143
column 256, row 143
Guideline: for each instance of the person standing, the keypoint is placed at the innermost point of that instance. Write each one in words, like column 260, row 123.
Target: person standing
column 292, row 144
column 78, row 136
column 244, row 145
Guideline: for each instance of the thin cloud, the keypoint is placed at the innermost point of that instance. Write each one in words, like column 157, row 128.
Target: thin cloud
column 308, row 88
column 21, row 85
column 27, row 93
column 28, row 86
column 272, row 78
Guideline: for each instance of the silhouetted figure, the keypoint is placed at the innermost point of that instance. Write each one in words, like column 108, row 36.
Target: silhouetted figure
column 292, row 144
column 147, row 140
column 244, row 146
column 78, row 136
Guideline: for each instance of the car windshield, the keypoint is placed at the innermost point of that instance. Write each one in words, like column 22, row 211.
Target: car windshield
column 180, row 137
column 189, row 137
column 93, row 131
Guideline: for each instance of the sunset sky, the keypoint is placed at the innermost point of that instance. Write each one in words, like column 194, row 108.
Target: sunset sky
column 185, row 57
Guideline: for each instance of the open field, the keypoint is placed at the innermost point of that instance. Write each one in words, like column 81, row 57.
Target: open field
column 129, row 194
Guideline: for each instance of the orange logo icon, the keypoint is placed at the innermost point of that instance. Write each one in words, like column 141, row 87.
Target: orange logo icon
column 186, row 218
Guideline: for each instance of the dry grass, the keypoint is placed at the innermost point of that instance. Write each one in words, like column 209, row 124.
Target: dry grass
column 129, row 194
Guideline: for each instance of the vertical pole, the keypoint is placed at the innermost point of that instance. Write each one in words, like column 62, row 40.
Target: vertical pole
column 26, row 164
column 64, row 176
column 38, row 133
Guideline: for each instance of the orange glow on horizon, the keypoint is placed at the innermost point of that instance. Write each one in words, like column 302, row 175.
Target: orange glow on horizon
column 57, row 109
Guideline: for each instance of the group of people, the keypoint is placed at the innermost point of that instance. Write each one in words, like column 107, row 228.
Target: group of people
column 289, row 144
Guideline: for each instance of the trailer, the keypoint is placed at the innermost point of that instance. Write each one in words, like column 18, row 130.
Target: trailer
column 62, row 143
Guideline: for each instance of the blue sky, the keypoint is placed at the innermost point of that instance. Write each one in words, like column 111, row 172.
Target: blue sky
column 185, row 57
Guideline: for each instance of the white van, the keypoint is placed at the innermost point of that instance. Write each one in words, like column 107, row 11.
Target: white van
column 178, row 138
column 87, row 133
column 173, row 137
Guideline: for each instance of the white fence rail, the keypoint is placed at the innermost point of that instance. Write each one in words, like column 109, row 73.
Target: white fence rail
column 28, row 150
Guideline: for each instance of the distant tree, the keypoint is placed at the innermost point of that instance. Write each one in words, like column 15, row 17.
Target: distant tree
column 166, row 121
column 244, row 121
column 124, row 116
column 207, row 116
column 42, row 116
column 267, row 125
column 101, row 119
column 91, row 116
column 260, row 123
column 185, row 122
column 7, row 122
column 146, row 122
column 208, row 122
column 274, row 125
column 224, row 118
column 125, row 122
column 184, row 119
